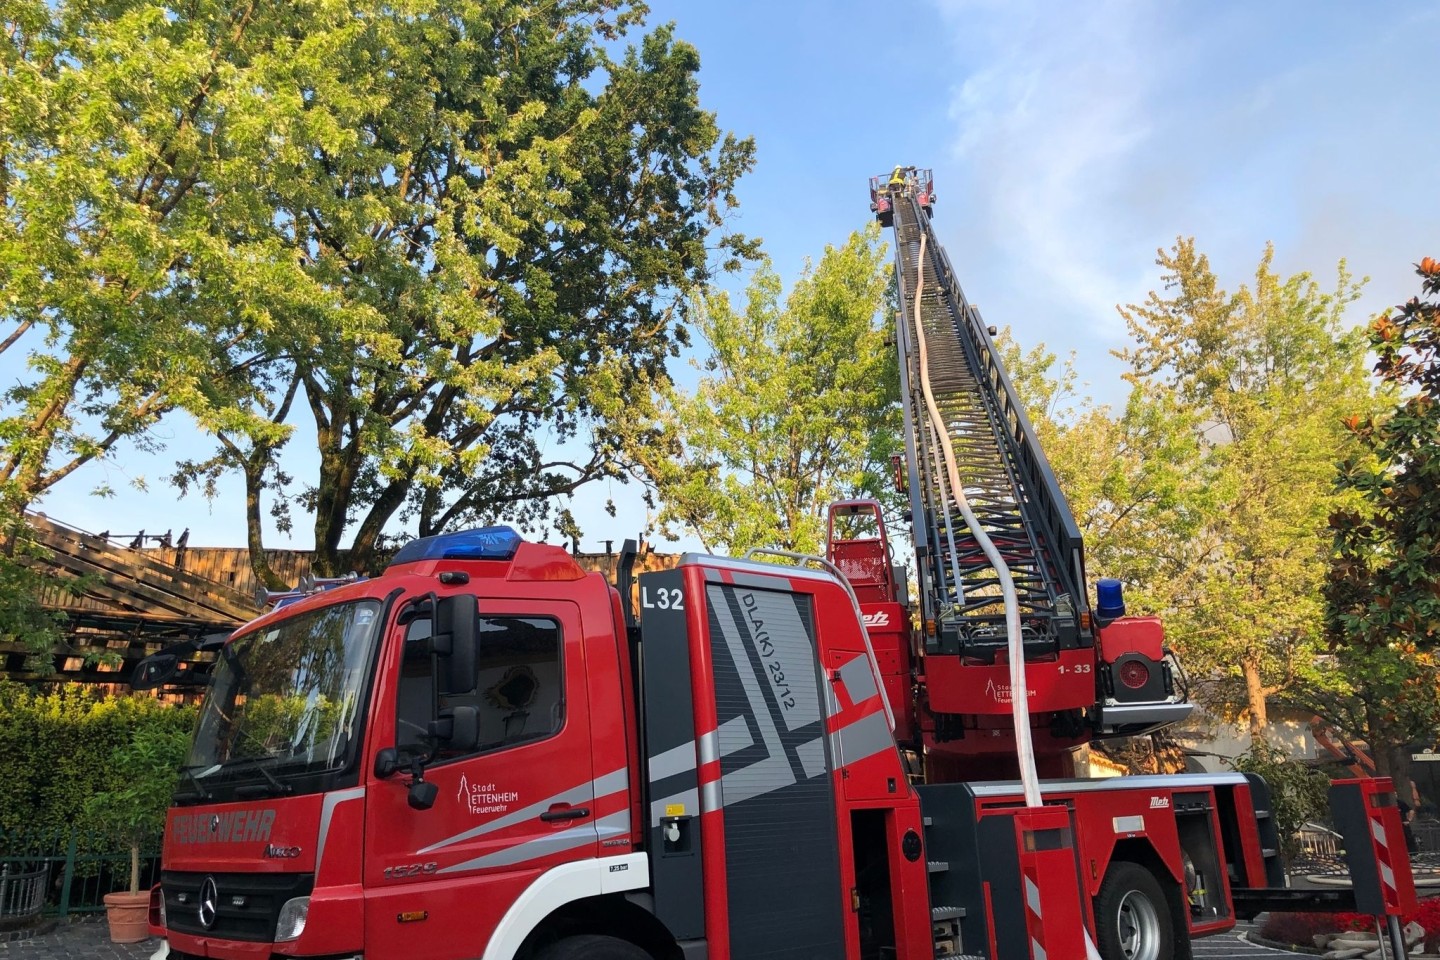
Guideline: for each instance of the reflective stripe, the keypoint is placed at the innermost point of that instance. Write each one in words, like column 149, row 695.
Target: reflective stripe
column 710, row 797
column 863, row 738
column 1034, row 923
column 1387, row 873
column 859, row 680
column 613, row 825
column 733, row 735
column 674, row 761
column 735, row 732
column 327, row 811
column 812, row 757
column 612, row 782
column 1032, row 896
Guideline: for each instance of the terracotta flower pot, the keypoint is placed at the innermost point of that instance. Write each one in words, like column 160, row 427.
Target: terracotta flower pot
column 128, row 914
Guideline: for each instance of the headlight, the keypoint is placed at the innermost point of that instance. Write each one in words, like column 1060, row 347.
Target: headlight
column 292, row 919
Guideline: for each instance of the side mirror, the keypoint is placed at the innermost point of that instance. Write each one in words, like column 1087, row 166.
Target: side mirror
column 171, row 666
column 154, row 670
column 422, row 794
column 456, row 636
column 464, row 729
column 457, row 728
column 387, row 763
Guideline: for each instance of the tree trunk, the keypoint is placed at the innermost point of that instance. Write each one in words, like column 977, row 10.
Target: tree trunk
column 1390, row 753
column 1255, row 698
column 1393, row 760
column 254, row 532
column 1400, row 773
column 134, row 868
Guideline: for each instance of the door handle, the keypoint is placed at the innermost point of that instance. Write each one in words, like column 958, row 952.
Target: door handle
column 570, row 813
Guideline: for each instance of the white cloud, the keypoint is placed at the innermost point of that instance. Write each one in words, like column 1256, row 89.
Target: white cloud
column 1087, row 135
column 1047, row 130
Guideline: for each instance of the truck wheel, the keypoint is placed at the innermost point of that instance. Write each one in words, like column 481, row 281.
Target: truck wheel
column 1132, row 916
column 592, row 947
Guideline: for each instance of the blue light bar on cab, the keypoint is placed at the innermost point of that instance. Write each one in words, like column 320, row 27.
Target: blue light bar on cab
column 486, row 543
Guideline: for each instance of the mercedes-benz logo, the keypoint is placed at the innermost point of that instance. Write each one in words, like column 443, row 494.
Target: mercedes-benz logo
column 209, row 900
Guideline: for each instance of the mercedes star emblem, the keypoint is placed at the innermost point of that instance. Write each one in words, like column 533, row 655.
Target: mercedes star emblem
column 209, row 899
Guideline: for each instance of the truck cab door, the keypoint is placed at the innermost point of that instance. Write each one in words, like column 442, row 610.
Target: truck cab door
column 521, row 801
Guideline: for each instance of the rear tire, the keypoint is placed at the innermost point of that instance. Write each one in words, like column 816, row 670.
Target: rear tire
column 592, row 947
column 1132, row 915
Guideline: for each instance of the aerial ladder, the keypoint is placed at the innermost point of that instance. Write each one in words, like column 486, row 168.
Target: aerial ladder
column 1092, row 672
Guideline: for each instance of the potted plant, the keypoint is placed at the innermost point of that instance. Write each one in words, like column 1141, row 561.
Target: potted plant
column 145, row 773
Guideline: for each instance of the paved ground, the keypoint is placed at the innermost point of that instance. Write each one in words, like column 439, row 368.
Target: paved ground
column 1233, row 946
column 90, row 940
column 87, row 939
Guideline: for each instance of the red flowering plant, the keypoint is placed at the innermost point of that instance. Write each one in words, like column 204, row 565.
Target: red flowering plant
column 1302, row 928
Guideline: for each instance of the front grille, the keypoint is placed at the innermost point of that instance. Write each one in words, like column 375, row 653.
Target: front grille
column 247, row 907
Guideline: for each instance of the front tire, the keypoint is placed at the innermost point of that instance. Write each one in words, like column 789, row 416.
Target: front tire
column 1132, row 916
column 592, row 947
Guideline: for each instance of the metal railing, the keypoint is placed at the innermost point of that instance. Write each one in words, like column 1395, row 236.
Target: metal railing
column 1318, row 846
column 1321, row 850
column 22, row 894
column 68, row 870
column 1427, row 835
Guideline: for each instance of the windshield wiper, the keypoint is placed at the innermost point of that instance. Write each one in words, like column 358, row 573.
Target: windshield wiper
column 273, row 787
column 200, row 794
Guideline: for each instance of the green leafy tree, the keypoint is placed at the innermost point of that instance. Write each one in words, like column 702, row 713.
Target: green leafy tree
column 60, row 743
column 501, row 229
column 1266, row 373
column 1298, row 793
column 458, row 236
column 24, row 621
column 135, row 260
column 1383, row 593
column 28, row 579
column 1135, row 481
column 795, row 408
column 145, row 770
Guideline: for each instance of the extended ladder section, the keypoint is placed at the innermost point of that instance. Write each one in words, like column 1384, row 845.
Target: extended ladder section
column 1004, row 473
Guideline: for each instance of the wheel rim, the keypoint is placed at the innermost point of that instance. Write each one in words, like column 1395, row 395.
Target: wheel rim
column 1138, row 924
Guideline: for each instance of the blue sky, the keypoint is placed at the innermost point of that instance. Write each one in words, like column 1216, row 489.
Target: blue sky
column 1069, row 142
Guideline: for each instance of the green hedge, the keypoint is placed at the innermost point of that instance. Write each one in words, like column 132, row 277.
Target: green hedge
column 60, row 747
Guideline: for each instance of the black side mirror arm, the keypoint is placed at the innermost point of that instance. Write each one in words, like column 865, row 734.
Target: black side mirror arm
column 422, row 793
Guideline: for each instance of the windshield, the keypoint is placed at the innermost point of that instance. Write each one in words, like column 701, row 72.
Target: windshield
column 286, row 699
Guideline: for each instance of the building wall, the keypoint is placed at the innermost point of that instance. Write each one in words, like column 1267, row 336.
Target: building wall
column 1210, row 740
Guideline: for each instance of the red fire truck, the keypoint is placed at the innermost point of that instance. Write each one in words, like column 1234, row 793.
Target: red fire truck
column 487, row 752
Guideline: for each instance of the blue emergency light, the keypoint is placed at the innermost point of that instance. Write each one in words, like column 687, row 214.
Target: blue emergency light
column 1109, row 598
column 485, row 543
